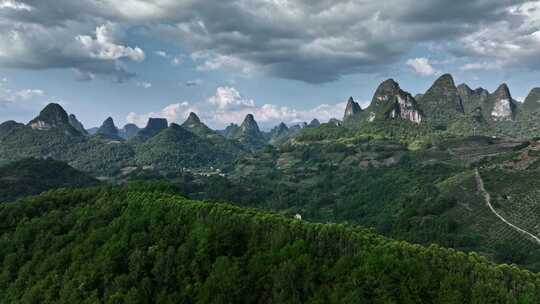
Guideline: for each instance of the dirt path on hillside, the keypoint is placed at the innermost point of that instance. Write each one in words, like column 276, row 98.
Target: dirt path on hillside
column 487, row 198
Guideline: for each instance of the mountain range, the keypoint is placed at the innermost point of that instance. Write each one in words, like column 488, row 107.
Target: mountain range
column 443, row 110
column 444, row 104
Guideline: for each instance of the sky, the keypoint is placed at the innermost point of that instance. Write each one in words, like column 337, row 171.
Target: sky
column 282, row 60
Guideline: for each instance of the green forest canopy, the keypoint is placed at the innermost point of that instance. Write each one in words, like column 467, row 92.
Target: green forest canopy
column 142, row 244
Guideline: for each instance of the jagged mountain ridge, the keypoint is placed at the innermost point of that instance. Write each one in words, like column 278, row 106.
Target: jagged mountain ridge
column 75, row 123
column 50, row 135
column 53, row 116
column 389, row 102
column 108, row 129
column 532, row 101
column 152, row 128
column 445, row 106
column 441, row 102
column 352, row 109
column 248, row 133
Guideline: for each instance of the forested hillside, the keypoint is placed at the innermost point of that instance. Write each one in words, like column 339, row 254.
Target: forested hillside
column 142, row 245
column 32, row 176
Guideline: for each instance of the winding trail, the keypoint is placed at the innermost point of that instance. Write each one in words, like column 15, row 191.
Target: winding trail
column 487, row 197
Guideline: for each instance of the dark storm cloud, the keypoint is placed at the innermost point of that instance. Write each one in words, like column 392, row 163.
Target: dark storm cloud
column 308, row 40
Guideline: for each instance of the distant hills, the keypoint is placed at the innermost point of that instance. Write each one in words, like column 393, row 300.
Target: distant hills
column 443, row 110
column 32, row 176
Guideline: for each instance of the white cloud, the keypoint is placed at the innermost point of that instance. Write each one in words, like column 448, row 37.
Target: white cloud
column 8, row 95
column 193, row 83
column 422, row 66
column 177, row 60
column 83, row 75
column 208, row 61
column 28, row 94
column 144, row 84
column 175, row 112
column 15, row 5
column 230, row 98
column 19, row 104
column 228, row 105
column 513, row 42
column 481, row 66
column 35, row 46
column 162, row 54
column 103, row 46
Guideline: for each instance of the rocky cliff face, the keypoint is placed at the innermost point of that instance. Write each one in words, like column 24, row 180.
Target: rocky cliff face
column 153, row 127
column 278, row 134
column 352, row 109
column 249, row 133
column 192, row 121
column 194, row 124
column 472, row 99
column 391, row 102
column 442, row 101
column 532, row 102
column 250, row 126
column 108, row 129
column 53, row 116
column 75, row 123
column 501, row 106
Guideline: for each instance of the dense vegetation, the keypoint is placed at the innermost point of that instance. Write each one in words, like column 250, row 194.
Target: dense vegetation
column 176, row 148
column 172, row 149
column 32, row 176
column 424, row 196
column 142, row 245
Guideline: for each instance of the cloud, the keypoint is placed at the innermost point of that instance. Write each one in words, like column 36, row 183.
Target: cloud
column 312, row 41
column 227, row 98
column 8, row 95
column 177, row 60
column 144, row 85
column 83, row 75
column 176, row 112
column 228, row 105
column 27, row 94
column 35, row 46
column 513, row 42
column 481, row 66
column 103, row 47
column 162, row 54
column 19, row 103
column 193, row 83
column 209, row 61
column 14, row 5
column 422, row 66
column 306, row 40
